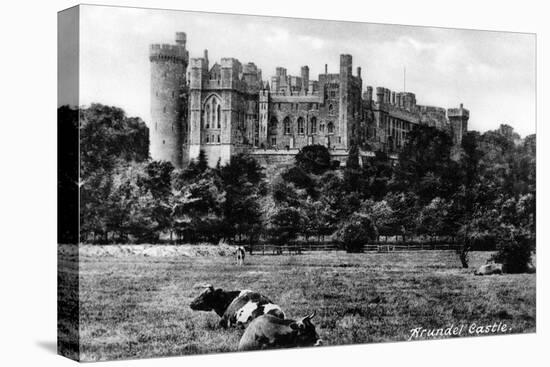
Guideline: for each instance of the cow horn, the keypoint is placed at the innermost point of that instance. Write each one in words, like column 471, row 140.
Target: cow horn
column 205, row 286
column 311, row 316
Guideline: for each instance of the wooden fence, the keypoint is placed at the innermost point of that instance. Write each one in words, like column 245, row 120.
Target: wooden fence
column 266, row 249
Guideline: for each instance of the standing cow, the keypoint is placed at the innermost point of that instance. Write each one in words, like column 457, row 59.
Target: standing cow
column 235, row 307
column 268, row 332
column 240, row 255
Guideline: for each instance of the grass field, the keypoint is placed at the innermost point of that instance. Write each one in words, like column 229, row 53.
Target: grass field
column 137, row 306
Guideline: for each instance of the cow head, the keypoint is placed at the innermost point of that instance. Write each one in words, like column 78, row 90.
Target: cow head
column 306, row 335
column 207, row 300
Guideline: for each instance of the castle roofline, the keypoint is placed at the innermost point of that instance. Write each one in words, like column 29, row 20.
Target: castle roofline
column 294, row 99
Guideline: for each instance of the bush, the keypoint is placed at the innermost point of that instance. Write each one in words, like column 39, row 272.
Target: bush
column 356, row 232
column 314, row 159
column 514, row 251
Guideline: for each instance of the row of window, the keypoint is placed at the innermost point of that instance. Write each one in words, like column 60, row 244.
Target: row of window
column 308, row 106
column 273, row 142
column 301, row 126
column 212, row 138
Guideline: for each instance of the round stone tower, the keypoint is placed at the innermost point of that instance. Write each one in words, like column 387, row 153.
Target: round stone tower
column 168, row 126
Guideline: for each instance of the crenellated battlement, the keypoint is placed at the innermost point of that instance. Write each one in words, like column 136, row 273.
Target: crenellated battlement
column 458, row 112
column 228, row 107
column 167, row 52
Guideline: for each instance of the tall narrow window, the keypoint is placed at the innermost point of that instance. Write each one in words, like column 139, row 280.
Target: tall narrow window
column 300, row 125
column 286, row 124
column 214, row 113
column 330, row 128
column 313, row 127
column 272, row 127
column 219, row 114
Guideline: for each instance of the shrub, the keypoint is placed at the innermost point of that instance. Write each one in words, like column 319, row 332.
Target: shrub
column 357, row 231
column 514, row 250
column 313, row 159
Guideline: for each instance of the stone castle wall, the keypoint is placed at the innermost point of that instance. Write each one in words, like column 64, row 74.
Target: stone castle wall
column 274, row 122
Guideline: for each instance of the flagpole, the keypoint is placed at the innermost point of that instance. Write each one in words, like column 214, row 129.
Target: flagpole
column 404, row 79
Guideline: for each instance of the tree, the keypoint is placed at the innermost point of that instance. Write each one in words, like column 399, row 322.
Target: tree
column 514, row 249
column 424, row 166
column 300, row 179
column 67, row 176
column 377, row 171
column 110, row 143
column 353, row 173
column 433, row 218
column 405, row 209
column 284, row 225
column 108, row 135
column 320, row 219
column 197, row 210
column 202, row 162
column 357, row 231
column 242, row 180
column 158, row 181
column 313, row 159
column 381, row 214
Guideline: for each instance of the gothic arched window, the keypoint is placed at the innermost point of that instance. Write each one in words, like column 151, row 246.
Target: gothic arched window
column 272, row 127
column 212, row 112
column 313, row 125
column 301, row 125
column 286, row 124
column 330, row 128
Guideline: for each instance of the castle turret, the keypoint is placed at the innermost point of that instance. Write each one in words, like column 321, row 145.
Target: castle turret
column 380, row 95
column 344, row 98
column 304, row 73
column 368, row 94
column 458, row 118
column 168, row 125
column 264, row 117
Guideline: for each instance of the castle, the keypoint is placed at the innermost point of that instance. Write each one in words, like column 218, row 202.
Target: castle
column 227, row 108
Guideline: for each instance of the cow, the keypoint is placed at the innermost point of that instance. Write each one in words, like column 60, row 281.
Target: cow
column 240, row 255
column 236, row 308
column 489, row 269
column 269, row 332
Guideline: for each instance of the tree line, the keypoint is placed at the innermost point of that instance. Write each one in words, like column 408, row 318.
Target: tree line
column 482, row 195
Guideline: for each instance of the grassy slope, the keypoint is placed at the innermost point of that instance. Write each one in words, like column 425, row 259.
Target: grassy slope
column 138, row 306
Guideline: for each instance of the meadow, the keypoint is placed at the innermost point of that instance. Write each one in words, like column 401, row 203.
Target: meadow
column 137, row 306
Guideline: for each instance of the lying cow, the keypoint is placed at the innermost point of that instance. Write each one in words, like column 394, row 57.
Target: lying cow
column 235, row 307
column 489, row 269
column 267, row 332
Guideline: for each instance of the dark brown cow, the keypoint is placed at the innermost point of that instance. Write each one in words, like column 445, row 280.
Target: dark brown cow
column 235, row 307
column 269, row 332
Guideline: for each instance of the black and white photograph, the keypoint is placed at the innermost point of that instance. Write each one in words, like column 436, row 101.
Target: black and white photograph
column 231, row 183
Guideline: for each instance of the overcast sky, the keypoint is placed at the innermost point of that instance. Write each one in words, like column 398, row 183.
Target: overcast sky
column 492, row 73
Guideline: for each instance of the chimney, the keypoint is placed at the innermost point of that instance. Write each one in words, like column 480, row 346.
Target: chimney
column 326, row 69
